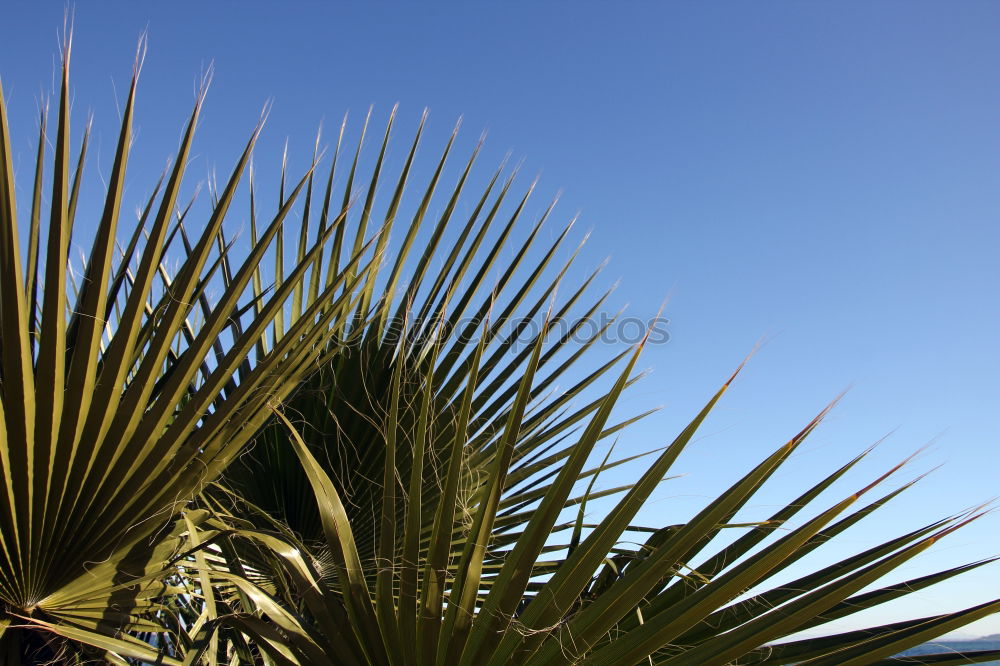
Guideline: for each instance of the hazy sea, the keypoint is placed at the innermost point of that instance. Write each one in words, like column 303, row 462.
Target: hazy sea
column 948, row 646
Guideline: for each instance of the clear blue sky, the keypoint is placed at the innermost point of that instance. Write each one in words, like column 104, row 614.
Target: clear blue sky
column 822, row 174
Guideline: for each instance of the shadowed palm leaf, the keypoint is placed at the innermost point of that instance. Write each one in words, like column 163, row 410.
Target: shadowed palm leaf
column 342, row 409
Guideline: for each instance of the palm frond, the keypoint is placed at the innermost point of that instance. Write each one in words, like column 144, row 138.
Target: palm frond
column 120, row 403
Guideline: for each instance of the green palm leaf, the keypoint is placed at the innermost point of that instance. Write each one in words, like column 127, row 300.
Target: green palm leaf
column 434, row 443
column 649, row 608
column 122, row 400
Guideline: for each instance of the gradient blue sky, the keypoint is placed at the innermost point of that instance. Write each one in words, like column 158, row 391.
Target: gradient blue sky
column 824, row 175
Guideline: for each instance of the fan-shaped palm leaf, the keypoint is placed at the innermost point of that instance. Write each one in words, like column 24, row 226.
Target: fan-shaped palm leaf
column 676, row 599
column 119, row 404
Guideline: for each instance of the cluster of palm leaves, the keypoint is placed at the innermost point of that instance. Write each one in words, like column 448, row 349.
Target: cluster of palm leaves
column 356, row 451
